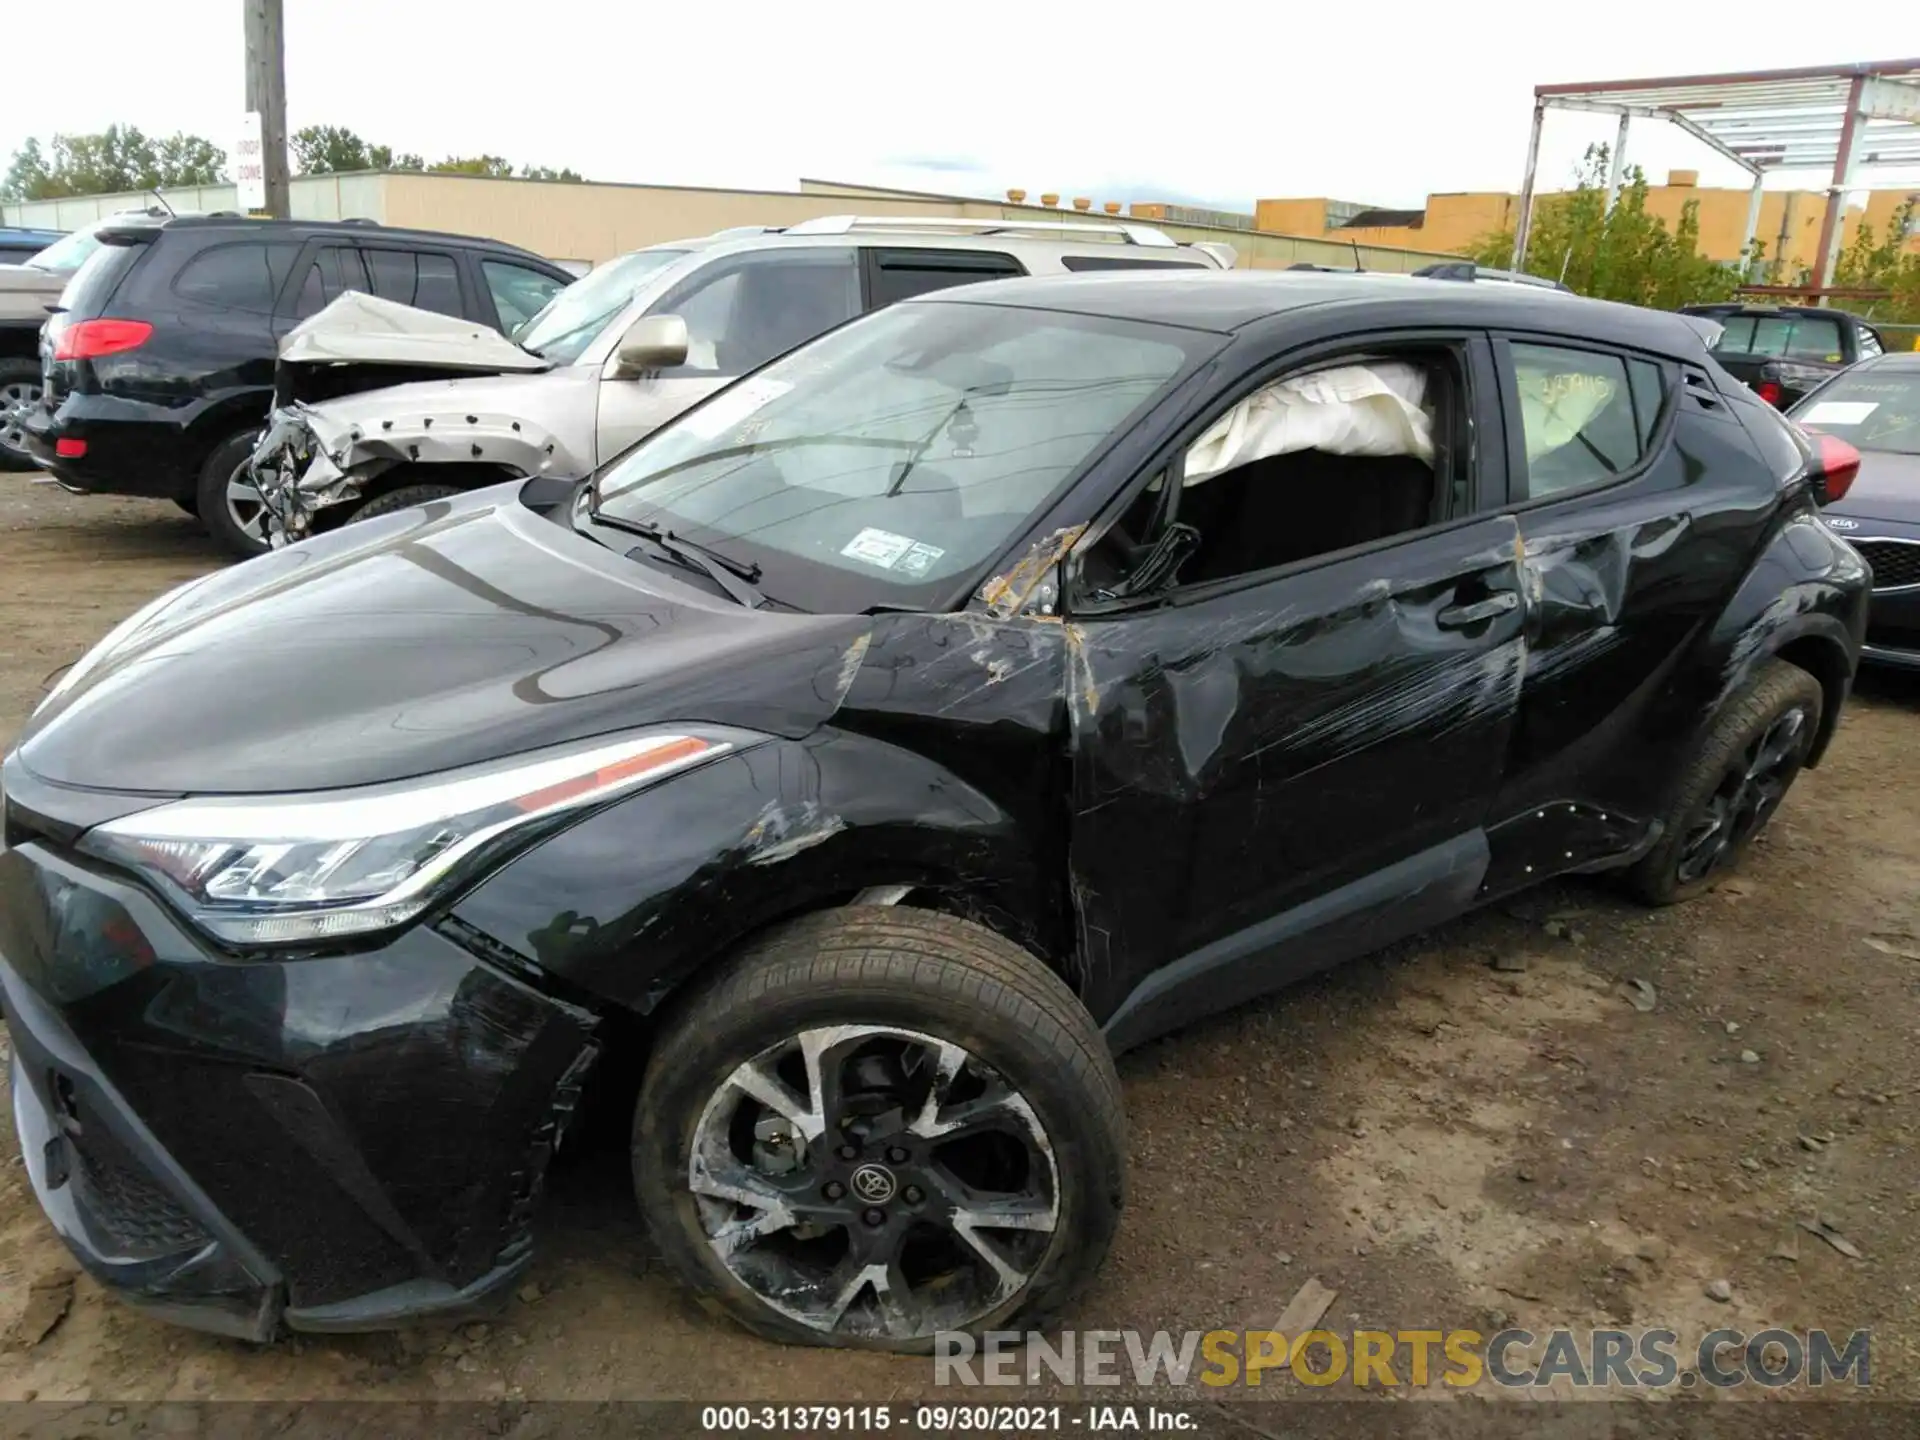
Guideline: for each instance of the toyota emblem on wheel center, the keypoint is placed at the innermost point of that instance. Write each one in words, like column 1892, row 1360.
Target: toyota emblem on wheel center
column 873, row 1184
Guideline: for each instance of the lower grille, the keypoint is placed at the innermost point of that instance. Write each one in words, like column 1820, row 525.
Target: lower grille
column 121, row 1198
column 1895, row 562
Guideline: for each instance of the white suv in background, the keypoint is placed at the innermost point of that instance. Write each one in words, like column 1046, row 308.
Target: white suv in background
column 638, row 340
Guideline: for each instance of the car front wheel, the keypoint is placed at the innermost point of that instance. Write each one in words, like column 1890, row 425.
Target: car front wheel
column 1734, row 782
column 879, row 1124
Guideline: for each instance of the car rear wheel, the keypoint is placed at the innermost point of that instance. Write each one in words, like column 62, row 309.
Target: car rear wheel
column 877, row 1124
column 226, row 500
column 19, row 393
column 1742, row 769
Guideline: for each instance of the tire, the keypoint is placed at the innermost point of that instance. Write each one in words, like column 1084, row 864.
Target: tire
column 866, row 974
column 19, row 390
column 189, row 504
column 1739, row 773
column 405, row 498
column 219, row 498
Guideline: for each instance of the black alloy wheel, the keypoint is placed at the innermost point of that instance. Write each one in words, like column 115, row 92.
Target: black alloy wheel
column 878, row 1124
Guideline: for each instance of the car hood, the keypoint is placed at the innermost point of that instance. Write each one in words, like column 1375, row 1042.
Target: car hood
column 25, row 293
column 30, row 279
column 457, row 632
column 1887, row 488
column 359, row 328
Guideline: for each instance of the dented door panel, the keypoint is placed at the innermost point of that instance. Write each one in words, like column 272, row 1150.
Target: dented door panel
column 1242, row 755
column 1623, row 586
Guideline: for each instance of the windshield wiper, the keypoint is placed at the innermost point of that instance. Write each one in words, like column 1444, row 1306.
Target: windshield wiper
column 751, row 447
column 740, row 581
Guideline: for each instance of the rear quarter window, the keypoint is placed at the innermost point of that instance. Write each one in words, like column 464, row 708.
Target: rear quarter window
column 92, row 286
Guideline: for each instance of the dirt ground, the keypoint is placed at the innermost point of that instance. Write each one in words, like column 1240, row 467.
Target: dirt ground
column 1444, row 1140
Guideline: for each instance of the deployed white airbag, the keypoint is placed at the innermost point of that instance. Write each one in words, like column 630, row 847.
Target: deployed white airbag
column 370, row 330
column 1372, row 409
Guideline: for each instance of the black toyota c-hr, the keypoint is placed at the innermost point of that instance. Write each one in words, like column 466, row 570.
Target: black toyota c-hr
column 990, row 685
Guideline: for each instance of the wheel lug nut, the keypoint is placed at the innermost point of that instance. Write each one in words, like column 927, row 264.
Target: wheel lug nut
column 849, row 1152
column 912, row 1195
column 897, row 1155
column 834, row 1190
column 876, row 1217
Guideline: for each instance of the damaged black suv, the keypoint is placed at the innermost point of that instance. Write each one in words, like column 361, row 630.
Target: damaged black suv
column 994, row 683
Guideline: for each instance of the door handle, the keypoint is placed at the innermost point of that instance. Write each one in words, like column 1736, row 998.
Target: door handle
column 1456, row 617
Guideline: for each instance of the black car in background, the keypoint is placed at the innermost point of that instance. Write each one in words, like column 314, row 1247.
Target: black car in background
column 158, row 367
column 1784, row 351
column 992, row 684
column 1875, row 408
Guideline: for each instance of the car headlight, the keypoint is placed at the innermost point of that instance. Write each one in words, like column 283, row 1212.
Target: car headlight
column 296, row 869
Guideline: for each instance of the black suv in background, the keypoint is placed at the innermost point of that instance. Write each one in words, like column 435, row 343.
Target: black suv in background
column 1782, row 352
column 158, row 363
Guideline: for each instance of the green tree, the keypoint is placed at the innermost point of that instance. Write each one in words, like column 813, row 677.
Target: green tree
column 1623, row 253
column 493, row 166
column 497, row 167
column 336, row 150
column 117, row 159
column 1887, row 263
column 28, row 175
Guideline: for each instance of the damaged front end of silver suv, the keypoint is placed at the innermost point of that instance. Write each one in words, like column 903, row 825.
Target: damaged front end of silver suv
column 347, row 409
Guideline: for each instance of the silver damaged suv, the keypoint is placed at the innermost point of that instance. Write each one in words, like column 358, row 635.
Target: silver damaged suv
column 632, row 344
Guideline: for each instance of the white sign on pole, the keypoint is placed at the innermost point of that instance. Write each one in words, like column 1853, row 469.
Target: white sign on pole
column 250, row 164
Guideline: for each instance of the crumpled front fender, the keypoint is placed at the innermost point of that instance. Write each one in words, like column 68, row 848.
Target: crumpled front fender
column 312, row 458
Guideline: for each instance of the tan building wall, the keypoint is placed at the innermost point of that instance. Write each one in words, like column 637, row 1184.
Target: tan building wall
column 594, row 222
column 313, row 197
column 1789, row 219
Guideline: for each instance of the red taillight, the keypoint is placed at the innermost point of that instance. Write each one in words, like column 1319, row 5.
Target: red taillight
column 1769, row 391
column 68, row 449
column 90, row 339
column 1835, row 464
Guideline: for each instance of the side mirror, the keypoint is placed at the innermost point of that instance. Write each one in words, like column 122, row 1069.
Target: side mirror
column 652, row 342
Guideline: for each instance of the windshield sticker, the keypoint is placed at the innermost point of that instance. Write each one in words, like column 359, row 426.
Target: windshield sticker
column 721, row 414
column 1839, row 412
column 889, row 551
column 919, row 560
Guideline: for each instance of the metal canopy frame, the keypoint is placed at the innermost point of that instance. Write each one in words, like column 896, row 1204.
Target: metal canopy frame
column 1843, row 119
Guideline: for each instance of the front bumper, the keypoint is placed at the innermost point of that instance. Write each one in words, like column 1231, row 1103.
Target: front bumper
column 333, row 1143
column 1893, row 629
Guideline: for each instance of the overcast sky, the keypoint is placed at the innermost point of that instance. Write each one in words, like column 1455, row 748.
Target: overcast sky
column 1215, row 103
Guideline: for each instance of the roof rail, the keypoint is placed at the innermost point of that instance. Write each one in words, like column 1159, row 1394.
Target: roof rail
column 1124, row 231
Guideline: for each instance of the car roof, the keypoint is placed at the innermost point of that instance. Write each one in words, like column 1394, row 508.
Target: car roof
column 1083, row 236
column 250, row 225
column 1229, row 300
column 1004, row 243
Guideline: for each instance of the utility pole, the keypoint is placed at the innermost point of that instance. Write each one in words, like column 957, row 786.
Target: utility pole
column 267, row 94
